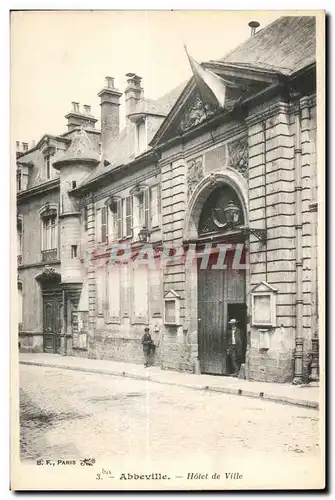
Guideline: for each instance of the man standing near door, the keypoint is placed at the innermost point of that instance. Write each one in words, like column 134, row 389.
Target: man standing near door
column 234, row 347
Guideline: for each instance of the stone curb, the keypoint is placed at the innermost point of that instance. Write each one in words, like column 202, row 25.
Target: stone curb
column 225, row 390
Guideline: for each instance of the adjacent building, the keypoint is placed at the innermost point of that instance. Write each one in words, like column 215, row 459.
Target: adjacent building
column 187, row 217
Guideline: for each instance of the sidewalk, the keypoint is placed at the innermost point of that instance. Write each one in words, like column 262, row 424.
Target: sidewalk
column 283, row 393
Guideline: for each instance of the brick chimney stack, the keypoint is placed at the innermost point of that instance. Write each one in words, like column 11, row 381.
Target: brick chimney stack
column 133, row 92
column 77, row 118
column 110, row 114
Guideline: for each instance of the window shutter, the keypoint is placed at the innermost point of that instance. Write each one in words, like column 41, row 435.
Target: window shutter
column 119, row 220
column 98, row 226
column 146, row 208
column 114, row 292
column 140, row 290
column 155, row 206
column 128, row 216
column 103, row 225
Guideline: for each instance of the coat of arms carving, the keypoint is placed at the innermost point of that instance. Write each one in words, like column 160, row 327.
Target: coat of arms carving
column 238, row 155
column 196, row 113
column 194, row 174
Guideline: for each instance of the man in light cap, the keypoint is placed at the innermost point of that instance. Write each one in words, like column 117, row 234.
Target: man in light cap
column 234, row 347
column 147, row 345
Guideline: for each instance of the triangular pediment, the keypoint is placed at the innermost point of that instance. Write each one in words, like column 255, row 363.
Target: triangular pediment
column 171, row 294
column 264, row 287
column 190, row 112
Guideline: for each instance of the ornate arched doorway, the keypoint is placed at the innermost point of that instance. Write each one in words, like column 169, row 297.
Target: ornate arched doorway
column 217, row 220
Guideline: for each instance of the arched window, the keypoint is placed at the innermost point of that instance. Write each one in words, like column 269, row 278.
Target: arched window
column 221, row 211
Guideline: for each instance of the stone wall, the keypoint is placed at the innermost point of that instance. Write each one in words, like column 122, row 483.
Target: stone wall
column 272, row 207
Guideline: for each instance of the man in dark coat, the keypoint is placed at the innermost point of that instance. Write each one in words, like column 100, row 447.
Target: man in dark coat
column 147, row 346
column 234, row 347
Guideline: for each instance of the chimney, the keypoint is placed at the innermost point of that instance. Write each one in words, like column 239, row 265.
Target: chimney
column 133, row 92
column 110, row 114
column 253, row 25
column 76, row 118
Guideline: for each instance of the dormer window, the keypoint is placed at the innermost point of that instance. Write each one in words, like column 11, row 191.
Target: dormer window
column 25, row 146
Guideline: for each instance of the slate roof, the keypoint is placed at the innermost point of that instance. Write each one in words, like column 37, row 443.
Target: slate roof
column 122, row 151
column 81, row 148
column 287, row 45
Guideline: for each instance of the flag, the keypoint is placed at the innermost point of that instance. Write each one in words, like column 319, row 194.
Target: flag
column 212, row 87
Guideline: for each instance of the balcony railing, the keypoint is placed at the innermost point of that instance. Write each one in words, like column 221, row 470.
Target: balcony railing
column 48, row 255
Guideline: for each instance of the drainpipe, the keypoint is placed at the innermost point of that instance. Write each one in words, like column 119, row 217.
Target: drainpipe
column 298, row 353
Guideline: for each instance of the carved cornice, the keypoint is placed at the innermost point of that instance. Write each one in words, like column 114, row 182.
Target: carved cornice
column 48, row 210
column 308, row 102
column 40, row 189
column 275, row 109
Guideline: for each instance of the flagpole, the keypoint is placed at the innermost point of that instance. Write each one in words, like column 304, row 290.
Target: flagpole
column 201, row 97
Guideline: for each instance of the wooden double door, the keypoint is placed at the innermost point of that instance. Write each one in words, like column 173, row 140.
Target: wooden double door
column 221, row 296
column 52, row 321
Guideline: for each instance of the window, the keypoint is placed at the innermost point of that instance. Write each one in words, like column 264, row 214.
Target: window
column 19, row 180
column 18, row 145
column 140, row 293
column 73, row 251
column 143, row 208
column 74, row 184
column 128, row 215
column 47, row 166
column 25, row 146
column 49, row 234
column 100, row 274
column 85, row 217
column 141, row 139
column 113, row 293
column 155, row 206
column 116, row 228
column 101, row 220
column 19, row 234
column 20, row 303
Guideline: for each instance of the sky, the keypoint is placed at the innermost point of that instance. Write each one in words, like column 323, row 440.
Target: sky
column 62, row 56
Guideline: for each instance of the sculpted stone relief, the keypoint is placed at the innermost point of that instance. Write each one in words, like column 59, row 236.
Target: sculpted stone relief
column 238, row 155
column 195, row 173
column 196, row 113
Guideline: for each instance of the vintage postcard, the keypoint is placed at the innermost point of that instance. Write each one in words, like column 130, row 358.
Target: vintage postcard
column 168, row 295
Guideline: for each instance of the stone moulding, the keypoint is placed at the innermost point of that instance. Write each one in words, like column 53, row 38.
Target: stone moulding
column 277, row 108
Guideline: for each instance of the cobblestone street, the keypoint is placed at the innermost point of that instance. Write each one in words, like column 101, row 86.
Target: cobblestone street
column 72, row 415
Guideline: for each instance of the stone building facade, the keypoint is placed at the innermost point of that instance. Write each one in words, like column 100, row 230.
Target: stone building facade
column 189, row 216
